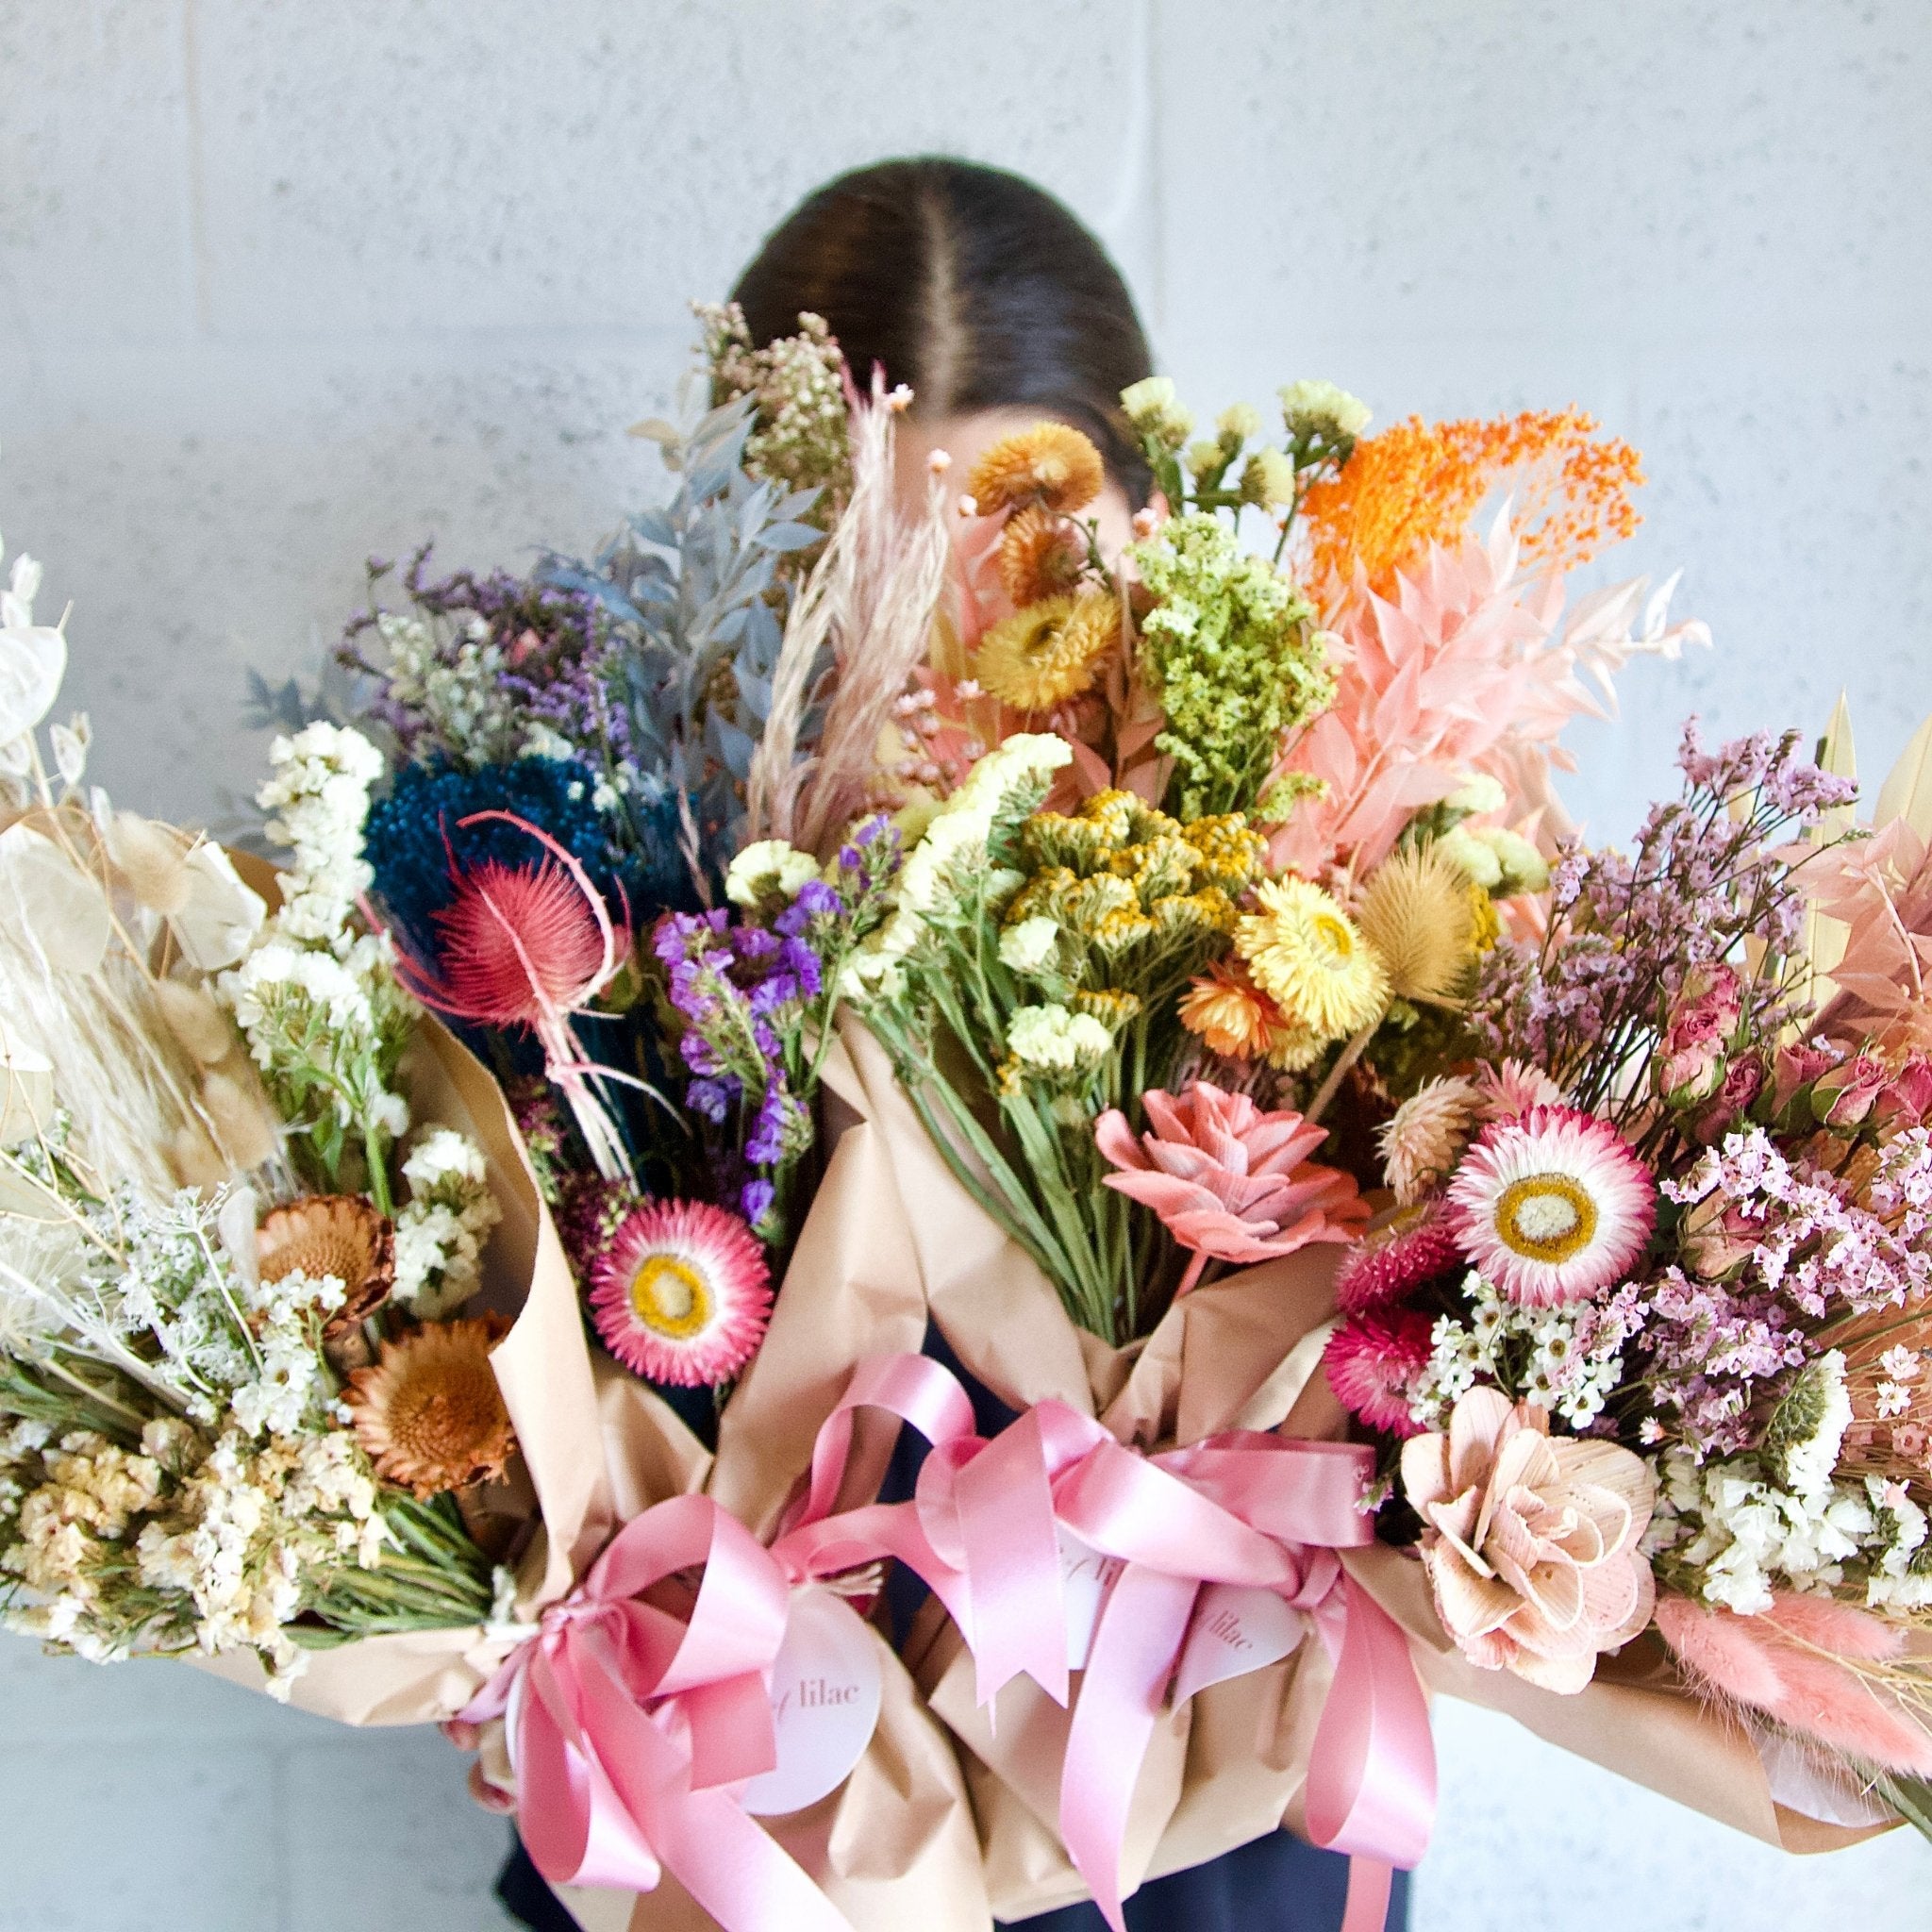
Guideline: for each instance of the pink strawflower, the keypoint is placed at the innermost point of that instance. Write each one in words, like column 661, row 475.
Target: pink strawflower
column 1553, row 1206
column 1395, row 1260
column 682, row 1293
column 1228, row 1181
column 1373, row 1362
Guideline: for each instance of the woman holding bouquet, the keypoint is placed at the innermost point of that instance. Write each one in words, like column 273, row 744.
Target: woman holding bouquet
column 997, row 309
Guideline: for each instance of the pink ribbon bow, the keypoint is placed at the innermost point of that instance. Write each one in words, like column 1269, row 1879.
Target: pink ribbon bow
column 1239, row 1511
column 632, row 1730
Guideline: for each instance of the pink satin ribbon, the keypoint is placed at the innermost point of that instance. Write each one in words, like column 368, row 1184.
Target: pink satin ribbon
column 1242, row 1508
column 633, row 1730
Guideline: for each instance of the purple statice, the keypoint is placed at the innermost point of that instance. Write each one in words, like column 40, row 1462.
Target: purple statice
column 1713, row 1354
column 753, row 991
column 1712, row 869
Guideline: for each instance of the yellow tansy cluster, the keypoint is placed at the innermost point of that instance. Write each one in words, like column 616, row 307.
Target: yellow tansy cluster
column 1132, row 901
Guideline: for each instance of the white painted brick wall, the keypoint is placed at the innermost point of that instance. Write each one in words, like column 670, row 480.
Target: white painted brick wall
column 282, row 285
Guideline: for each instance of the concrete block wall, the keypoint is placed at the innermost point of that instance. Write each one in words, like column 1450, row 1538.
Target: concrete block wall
column 283, row 284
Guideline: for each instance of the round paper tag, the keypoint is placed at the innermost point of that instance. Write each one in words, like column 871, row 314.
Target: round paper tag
column 1085, row 1577
column 825, row 1704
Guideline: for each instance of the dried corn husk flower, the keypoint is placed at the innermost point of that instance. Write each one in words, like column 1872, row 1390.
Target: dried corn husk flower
column 1532, row 1543
column 1038, row 557
column 339, row 1235
column 430, row 1413
column 1048, row 464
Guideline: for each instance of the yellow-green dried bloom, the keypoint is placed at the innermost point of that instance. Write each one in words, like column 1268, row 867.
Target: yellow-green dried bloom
column 1051, row 840
column 1236, row 424
column 1156, row 866
column 1112, row 1009
column 1321, row 412
column 1153, row 409
column 1268, row 479
column 1232, row 655
column 1204, row 459
column 1027, row 944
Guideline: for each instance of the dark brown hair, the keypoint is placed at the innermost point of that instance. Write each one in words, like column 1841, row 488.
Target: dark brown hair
column 970, row 284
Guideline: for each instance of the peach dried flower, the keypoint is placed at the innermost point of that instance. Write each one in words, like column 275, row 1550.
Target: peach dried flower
column 1532, row 1542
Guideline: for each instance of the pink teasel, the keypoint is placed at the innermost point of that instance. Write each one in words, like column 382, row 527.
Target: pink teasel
column 529, row 947
column 1467, row 671
column 1228, row 1181
column 1797, row 1662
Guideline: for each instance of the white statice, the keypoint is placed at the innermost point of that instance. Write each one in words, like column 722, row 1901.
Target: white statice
column 1733, row 1536
column 1900, row 1576
column 1802, row 1442
column 317, row 794
column 949, row 859
column 1029, row 945
column 442, row 1229
column 288, row 1387
column 459, row 691
column 768, row 866
column 1054, row 1041
column 1311, row 408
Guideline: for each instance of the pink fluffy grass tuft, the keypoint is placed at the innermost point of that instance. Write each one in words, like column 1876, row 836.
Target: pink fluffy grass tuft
column 1789, row 1663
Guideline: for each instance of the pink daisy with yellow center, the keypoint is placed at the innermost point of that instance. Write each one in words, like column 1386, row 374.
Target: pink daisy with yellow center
column 1552, row 1207
column 682, row 1293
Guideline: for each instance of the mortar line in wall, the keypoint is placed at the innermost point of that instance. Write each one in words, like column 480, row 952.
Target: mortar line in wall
column 198, row 214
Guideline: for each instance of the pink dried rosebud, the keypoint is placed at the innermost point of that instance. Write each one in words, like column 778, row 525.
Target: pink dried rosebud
column 1907, row 1100
column 1744, row 1082
column 1227, row 1180
column 1797, row 1068
column 1842, row 1096
column 1532, row 1542
column 1373, row 1363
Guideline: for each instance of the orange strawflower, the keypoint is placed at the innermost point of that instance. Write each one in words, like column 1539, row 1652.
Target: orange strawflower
column 1038, row 557
column 1230, row 1013
column 1418, row 484
column 1049, row 464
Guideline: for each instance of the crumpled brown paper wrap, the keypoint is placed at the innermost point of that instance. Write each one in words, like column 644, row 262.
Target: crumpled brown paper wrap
column 544, row 1368
column 896, row 1844
column 892, row 1237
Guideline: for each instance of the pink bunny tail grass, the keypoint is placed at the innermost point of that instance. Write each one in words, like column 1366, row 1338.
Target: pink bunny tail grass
column 1768, row 1663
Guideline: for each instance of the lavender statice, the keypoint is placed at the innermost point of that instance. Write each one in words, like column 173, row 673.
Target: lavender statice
column 1592, row 1000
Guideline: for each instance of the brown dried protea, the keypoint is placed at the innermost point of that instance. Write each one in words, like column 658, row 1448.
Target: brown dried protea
column 430, row 1413
column 1040, row 555
column 339, row 1235
column 1049, row 464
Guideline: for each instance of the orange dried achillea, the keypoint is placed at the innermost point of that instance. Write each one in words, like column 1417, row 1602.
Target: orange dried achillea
column 1419, row 483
